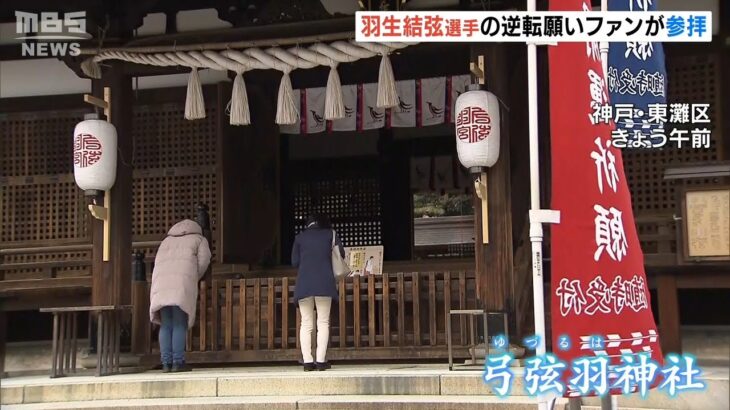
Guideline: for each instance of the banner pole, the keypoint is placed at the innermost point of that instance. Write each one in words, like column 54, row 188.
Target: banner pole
column 536, row 232
column 608, row 402
column 604, row 46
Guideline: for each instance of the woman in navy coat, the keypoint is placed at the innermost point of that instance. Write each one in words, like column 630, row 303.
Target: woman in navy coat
column 315, row 286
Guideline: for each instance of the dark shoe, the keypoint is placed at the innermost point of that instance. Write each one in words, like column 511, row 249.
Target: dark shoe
column 179, row 368
column 166, row 368
column 308, row 367
column 323, row 366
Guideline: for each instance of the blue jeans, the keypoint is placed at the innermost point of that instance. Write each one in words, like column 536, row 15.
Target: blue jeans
column 173, row 333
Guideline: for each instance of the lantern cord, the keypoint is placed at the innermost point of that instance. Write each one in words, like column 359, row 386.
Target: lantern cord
column 121, row 156
column 502, row 104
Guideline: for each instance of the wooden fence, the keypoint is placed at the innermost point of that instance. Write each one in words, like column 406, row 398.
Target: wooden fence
column 390, row 316
column 658, row 237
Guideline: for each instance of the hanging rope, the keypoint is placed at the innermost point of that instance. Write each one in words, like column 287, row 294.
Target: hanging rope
column 276, row 58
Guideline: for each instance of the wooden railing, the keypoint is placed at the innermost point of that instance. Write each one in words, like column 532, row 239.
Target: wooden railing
column 271, row 320
column 48, row 273
column 389, row 316
column 658, row 237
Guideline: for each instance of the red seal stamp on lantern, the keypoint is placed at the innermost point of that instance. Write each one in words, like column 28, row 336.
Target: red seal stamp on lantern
column 473, row 124
column 87, row 150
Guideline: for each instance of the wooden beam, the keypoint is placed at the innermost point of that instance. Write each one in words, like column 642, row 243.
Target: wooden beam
column 250, row 33
column 8, row 287
column 36, row 299
column 45, row 265
column 42, row 103
column 97, row 102
column 700, row 279
column 277, row 42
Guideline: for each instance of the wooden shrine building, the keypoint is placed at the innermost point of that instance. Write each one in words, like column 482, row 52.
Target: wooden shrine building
column 398, row 187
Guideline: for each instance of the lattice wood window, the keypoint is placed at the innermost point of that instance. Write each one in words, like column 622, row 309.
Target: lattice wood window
column 163, row 138
column 693, row 79
column 174, row 163
column 37, row 143
column 175, row 168
column 352, row 204
column 42, row 208
column 39, row 198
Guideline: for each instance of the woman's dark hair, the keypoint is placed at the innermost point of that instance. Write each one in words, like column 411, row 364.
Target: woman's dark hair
column 322, row 220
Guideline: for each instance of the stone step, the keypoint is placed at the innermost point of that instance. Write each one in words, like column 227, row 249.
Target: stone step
column 584, row 407
column 284, row 384
column 716, row 396
column 339, row 402
column 154, row 385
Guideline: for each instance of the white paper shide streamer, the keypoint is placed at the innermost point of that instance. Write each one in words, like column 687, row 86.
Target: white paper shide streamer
column 240, row 114
column 387, row 95
column 194, row 103
column 334, row 108
column 286, row 110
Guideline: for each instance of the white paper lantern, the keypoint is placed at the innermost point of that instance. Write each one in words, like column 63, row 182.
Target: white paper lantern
column 95, row 155
column 477, row 128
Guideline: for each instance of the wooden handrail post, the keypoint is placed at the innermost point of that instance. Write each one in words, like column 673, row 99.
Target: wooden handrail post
column 140, row 306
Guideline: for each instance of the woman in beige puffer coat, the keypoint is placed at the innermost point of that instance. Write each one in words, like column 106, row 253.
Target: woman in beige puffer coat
column 181, row 261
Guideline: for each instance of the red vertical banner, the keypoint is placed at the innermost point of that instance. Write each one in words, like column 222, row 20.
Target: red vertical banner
column 598, row 287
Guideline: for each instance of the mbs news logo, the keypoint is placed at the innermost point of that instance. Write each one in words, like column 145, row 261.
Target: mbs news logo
column 47, row 34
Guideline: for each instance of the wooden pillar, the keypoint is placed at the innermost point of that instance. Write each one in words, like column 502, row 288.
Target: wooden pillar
column 111, row 281
column 3, row 330
column 669, row 334
column 494, row 261
column 121, row 201
column 3, row 341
